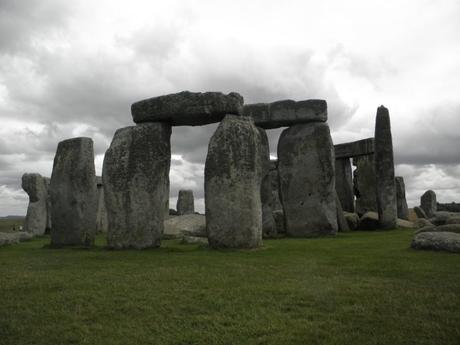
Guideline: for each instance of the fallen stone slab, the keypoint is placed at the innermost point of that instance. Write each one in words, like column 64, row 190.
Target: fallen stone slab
column 422, row 222
column 189, row 224
column 187, row 108
column 286, row 113
column 427, row 228
column 404, row 224
column 352, row 220
column 440, row 241
column 7, row 238
column 442, row 217
column 453, row 220
column 420, row 212
column 369, row 221
column 194, row 240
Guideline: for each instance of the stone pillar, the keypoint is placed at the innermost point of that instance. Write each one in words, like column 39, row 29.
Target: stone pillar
column 307, row 181
column 428, row 203
column 185, row 202
column 344, row 184
column 48, row 205
column 384, row 170
column 401, row 203
column 233, row 174
column 73, row 194
column 37, row 189
column 101, row 215
column 135, row 175
column 364, row 184
column 341, row 221
column 277, row 207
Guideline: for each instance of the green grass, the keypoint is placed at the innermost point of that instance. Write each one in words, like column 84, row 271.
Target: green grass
column 358, row 288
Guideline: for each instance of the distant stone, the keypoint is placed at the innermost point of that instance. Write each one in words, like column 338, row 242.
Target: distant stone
column 441, row 241
column 384, row 170
column 37, row 211
column 8, row 238
column 185, row 202
column 194, row 240
column 307, row 182
column 352, row 220
column 344, row 184
column 428, row 203
column 233, row 175
column 369, row 221
column 420, row 212
column 187, row 108
column 189, row 224
column 401, row 202
column 422, row 222
column 404, row 224
column 274, row 180
column 73, row 194
column 101, row 215
column 341, row 221
column 135, row 176
column 364, row 184
column 286, row 113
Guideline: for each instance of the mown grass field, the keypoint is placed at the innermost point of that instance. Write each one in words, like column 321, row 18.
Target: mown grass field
column 358, row 288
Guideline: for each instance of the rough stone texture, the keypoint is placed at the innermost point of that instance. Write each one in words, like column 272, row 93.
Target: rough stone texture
column 185, row 202
column 422, row 222
column 449, row 228
column 405, row 224
column 420, row 212
column 102, row 221
column 453, row 220
column 286, row 113
column 307, row 181
column 269, row 229
column 352, row 220
column 369, row 221
column 37, row 216
column 364, row 184
column 73, row 194
column 187, row 108
column 427, row 228
column 341, row 221
column 442, row 217
column 443, row 241
column 428, row 203
column 48, row 205
column 362, row 147
column 189, row 224
column 384, row 170
column 278, row 215
column 401, row 203
column 135, row 176
column 344, row 184
column 274, row 179
column 233, row 175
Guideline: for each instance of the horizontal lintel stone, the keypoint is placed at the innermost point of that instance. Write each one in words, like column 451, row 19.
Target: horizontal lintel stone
column 354, row 149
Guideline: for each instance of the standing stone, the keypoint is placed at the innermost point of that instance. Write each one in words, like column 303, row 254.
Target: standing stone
column 268, row 221
column 185, row 202
column 274, row 179
column 37, row 189
column 428, row 203
column 73, row 193
column 307, row 181
column 101, row 215
column 48, row 205
column 364, row 184
column 341, row 221
column 401, row 203
column 135, row 175
column 233, row 174
column 344, row 184
column 385, row 171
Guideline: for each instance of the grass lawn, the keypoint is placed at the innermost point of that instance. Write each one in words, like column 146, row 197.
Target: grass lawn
column 358, row 288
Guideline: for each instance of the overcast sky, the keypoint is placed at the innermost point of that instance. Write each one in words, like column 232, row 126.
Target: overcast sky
column 73, row 68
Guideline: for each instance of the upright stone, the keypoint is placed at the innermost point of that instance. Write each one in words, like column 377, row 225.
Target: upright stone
column 268, row 221
column 135, row 176
column 185, row 202
column 73, row 193
column 307, row 181
column 401, row 203
column 101, row 217
column 48, row 205
column 341, row 220
column 428, row 203
column 344, row 184
column 384, row 170
column 37, row 188
column 233, row 174
column 364, row 185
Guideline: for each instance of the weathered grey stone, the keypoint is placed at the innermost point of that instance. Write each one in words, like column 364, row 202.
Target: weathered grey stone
column 364, row 147
column 401, row 203
column 352, row 220
column 384, row 170
column 449, row 228
column 364, row 184
column 428, row 203
column 73, row 193
column 135, row 175
column 344, row 184
column 48, row 206
column 307, row 181
column 8, row 238
column 233, row 175
column 405, row 224
column 187, row 108
column 194, row 240
column 369, row 221
column 101, row 214
column 269, row 229
column 287, row 112
column 274, row 180
column 453, row 220
column 185, row 202
column 422, row 222
column 442, row 217
column 278, row 216
column 37, row 188
column 341, row 221
column 427, row 228
column 420, row 212
column 189, row 224
column 444, row 241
